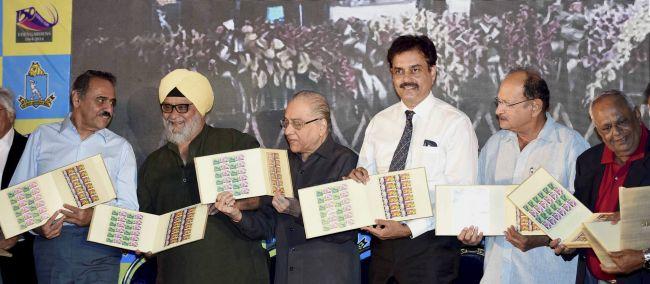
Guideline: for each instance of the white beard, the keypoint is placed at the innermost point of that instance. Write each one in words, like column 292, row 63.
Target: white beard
column 184, row 135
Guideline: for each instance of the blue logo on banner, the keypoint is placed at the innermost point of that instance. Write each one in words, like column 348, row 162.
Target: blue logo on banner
column 36, row 88
column 41, row 85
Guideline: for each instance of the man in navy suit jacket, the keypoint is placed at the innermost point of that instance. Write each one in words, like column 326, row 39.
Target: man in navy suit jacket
column 20, row 267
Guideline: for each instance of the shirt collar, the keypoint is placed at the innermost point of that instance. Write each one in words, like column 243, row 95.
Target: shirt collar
column 67, row 124
column 8, row 138
column 325, row 150
column 547, row 133
column 423, row 108
column 609, row 156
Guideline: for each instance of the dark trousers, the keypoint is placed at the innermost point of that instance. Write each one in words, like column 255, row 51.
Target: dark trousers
column 425, row 259
column 70, row 258
column 20, row 267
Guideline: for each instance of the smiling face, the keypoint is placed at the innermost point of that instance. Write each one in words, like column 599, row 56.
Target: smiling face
column 311, row 135
column 617, row 125
column 412, row 77
column 181, row 128
column 93, row 111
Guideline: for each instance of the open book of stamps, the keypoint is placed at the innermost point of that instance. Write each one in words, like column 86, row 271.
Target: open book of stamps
column 346, row 205
column 550, row 206
column 631, row 232
column 28, row 205
column 246, row 173
column 134, row 230
column 485, row 206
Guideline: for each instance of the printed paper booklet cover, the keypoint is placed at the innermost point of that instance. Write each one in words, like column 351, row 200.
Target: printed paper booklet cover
column 485, row 206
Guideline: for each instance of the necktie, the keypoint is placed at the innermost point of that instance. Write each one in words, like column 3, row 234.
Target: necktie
column 402, row 151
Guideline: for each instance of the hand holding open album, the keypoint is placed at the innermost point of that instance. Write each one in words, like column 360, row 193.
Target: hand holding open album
column 346, row 205
column 132, row 230
column 631, row 232
column 28, row 205
column 246, row 173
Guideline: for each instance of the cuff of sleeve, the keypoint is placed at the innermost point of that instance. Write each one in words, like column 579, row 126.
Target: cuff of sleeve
column 419, row 226
column 243, row 222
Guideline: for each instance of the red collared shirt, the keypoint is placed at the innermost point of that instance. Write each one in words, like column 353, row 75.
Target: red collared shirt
column 613, row 178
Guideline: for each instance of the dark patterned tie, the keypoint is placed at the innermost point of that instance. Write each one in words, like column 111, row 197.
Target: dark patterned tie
column 402, row 151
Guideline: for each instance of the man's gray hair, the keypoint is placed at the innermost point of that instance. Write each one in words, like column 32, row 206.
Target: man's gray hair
column 611, row 93
column 318, row 103
column 7, row 102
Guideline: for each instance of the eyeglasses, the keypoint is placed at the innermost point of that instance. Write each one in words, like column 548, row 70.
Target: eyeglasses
column 180, row 108
column 498, row 102
column 411, row 71
column 296, row 123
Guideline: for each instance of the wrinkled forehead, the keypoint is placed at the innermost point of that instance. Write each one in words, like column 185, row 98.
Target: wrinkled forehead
column 300, row 108
column 100, row 87
column 605, row 114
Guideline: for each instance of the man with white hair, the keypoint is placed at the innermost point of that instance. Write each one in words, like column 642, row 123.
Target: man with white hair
column 20, row 267
column 315, row 158
column 167, row 181
column 623, row 159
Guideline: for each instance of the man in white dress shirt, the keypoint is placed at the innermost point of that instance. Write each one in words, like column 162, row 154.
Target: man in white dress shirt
column 530, row 139
column 418, row 131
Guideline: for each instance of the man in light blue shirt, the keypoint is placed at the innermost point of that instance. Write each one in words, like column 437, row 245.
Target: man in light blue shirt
column 530, row 139
column 61, row 252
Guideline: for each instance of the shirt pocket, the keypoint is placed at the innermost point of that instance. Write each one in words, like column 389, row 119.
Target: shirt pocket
column 433, row 159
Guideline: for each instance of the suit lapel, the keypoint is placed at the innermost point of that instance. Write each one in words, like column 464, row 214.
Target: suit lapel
column 599, row 169
column 639, row 169
column 15, row 152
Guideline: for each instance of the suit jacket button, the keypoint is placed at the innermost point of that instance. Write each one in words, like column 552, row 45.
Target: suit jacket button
column 290, row 268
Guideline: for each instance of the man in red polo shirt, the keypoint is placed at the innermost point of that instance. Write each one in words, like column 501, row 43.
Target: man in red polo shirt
column 623, row 159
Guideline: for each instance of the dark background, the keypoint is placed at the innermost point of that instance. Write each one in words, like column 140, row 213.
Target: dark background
column 255, row 65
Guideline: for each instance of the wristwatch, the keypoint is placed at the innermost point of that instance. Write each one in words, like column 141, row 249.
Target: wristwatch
column 646, row 257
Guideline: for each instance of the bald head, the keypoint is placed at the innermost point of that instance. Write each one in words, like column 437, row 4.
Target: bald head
column 534, row 86
column 617, row 123
column 610, row 97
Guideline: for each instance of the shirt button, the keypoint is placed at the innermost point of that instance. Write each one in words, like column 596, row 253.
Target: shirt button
column 293, row 249
column 184, row 180
column 290, row 268
column 302, row 172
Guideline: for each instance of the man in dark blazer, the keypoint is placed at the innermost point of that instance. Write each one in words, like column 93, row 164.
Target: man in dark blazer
column 623, row 159
column 20, row 267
